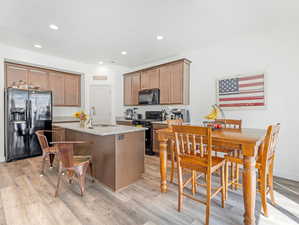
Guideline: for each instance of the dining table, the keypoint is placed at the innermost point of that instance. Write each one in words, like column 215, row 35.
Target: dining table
column 249, row 140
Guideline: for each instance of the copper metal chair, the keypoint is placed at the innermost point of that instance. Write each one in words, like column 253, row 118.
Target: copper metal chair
column 190, row 142
column 48, row 152
column 75, row 167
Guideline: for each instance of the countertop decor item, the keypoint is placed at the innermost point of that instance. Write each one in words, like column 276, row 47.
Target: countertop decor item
column 82, row 116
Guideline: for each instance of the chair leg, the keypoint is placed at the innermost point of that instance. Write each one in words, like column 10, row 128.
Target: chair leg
column 226, row 180
column 232, row 174
column 263, row 188
column 58, row 183
column 223, row 192
column 180, row 189
column 237, row 176
column 91, row 172
column 208, row 203
column 43, row 164
column 172, row 163
column 52, row 157
column 82, row 184
column 271, row 185
column 193, row 182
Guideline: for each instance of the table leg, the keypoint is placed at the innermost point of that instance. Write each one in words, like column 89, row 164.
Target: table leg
column 249, row 189
column 163, row 165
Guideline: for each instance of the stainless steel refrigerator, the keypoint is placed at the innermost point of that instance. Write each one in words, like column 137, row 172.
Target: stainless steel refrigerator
column 26, row 111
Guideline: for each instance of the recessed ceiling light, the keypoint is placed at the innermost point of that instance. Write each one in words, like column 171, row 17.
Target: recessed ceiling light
column 159, row 37
column 37, row 46
column 101, row 62
column 53, row 27
column 123, row 52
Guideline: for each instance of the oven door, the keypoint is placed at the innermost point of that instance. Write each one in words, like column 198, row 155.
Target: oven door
column 149, row 97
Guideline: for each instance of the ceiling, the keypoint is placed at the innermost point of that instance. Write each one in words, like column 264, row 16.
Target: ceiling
column 98, row 30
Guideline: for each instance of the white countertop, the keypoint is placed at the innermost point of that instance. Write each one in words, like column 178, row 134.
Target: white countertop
column 62, row 119
column 101, row 130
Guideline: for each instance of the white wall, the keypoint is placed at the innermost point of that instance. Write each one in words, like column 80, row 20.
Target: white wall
column 276, row 55
column 35, row 58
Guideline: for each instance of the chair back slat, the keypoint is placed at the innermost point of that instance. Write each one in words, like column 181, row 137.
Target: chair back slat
column 199, row 136
column 270, row 144
column 66, row 155
column 42, row 139
column 230, row 123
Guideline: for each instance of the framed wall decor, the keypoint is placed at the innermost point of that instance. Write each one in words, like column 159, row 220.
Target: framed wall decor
column 241, row 92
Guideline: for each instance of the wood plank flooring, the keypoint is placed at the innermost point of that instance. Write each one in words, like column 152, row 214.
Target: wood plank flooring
column 26, row 199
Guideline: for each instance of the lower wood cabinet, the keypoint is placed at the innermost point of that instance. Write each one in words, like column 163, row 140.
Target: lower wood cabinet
column 124, row 123
column 66, row 88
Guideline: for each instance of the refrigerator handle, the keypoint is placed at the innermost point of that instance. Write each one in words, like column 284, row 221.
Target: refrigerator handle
column 29, row 113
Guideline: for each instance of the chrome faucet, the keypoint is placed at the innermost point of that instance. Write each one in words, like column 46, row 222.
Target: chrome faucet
column 92, row 113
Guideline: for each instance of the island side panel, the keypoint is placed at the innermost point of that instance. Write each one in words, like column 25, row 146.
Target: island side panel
column 102, row 150
column 130, row 150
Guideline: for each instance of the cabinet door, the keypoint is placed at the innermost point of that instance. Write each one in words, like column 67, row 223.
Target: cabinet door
column 135, row 88
column 165, row 83
column 177, row 83
column 15, row 73
column 144, row 80
column 39, row 78
column 56, row 84
column 71, row 90
column 149, row 79
column 127, row 90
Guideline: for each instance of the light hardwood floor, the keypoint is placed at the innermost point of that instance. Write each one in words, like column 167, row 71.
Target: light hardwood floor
column 26, row 198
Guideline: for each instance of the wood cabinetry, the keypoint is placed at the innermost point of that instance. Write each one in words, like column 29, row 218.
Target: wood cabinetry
column 71, row 90
column 131, row 89
column 39, row 78
column 149, row 79
column 124, row 123
column 173, row 80
column 64, row 86
column 15, row 73
column 56, row 84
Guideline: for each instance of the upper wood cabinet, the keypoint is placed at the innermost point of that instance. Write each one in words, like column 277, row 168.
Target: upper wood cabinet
column 56, row 84
column 128, row 90
column 65, row 87
column 173, row 80
column 131, row 89
column 39, row 78
column 15, row 73
column 71, row 90
column 149, row 79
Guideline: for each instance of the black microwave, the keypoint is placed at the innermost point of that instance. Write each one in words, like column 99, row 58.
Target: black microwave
column 149, row 97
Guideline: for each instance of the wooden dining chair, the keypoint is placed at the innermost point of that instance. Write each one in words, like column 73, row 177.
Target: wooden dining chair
column 190, row 141
column 265, row 166
column 231, row 150
column 75, row 167
column 170, row 123
column 48, row 152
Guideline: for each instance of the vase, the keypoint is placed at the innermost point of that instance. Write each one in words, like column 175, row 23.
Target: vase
column 82, row 123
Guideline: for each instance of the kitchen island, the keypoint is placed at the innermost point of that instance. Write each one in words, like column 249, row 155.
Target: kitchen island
column 117, row 151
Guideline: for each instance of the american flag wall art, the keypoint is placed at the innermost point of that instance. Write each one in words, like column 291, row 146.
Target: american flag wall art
column 241, row 92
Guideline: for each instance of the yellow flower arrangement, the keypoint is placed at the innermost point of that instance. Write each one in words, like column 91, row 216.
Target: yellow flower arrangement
column 81, row 115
